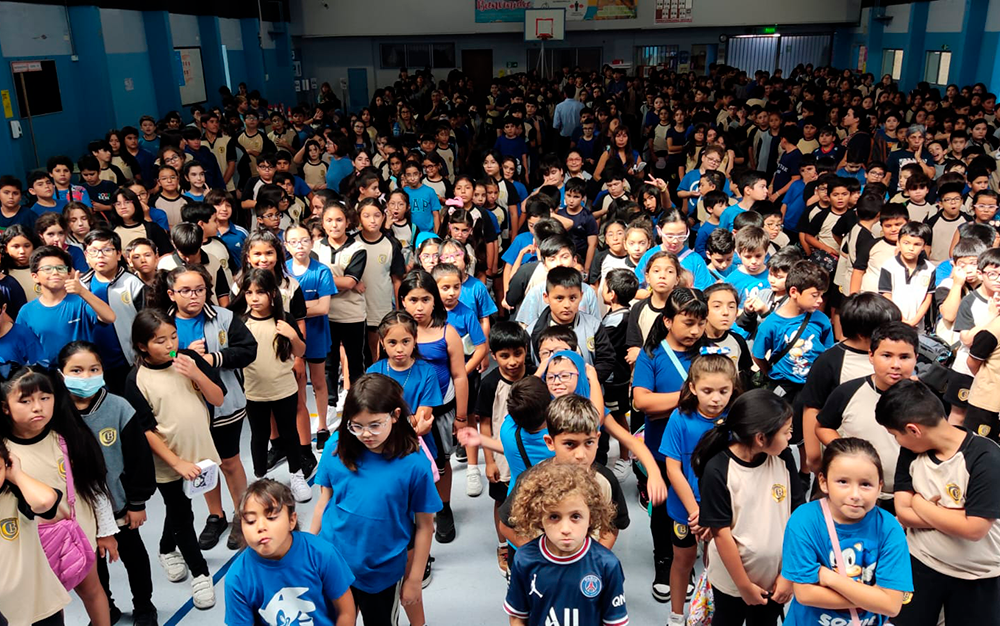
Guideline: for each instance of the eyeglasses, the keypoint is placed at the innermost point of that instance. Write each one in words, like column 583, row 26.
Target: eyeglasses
column 100, row 252
column 985, row 206
column 166, row 179
column 429, row 257
column 197, row 292
column 172, row 159
column 375, row 428
column 264, row 166
column 680, row 237
column 295, row 243
column 990, row 275
column 123, row 204
column 561, row 377
column 53, row 269
column 448, row 258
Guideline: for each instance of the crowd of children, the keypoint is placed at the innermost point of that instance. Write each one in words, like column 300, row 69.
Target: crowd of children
column 781, row 296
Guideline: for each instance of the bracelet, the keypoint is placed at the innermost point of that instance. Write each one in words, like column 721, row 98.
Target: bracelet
column 462, row 419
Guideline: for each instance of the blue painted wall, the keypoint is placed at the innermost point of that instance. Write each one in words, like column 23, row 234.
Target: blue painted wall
column 111, row 46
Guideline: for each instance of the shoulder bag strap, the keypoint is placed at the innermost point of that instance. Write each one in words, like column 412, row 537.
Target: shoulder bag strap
column 673, row 359
column 70, row 492
column 777, row 356
column 824, row 503
column 520, row 447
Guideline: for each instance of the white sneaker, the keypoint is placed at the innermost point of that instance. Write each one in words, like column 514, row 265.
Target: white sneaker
column 473, row 482
column 301, row 490
column 174, row 565
column 621, row 469
column 203, row 592
column 332, row 418
column 675, row 619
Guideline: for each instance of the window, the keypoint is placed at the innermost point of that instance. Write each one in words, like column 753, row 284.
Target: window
column 937, row 66
column 892, row 62
column 657, row 55
column 41, row 89
column 416, row 56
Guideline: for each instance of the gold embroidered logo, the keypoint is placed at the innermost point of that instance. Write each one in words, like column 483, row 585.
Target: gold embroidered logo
column 907, row 597
column 954, row 492
column 108, row 437
column 590, row 343
column 963, row 395
column 983, row 430
column 62, row 467
column 8, row 528
column 126, row 297
column 680, row 530
column 382, row 258
column 38, row 289
column 779, row 492
column 222, row 338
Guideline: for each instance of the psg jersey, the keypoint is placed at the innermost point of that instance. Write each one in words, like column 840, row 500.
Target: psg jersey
column 577, row 590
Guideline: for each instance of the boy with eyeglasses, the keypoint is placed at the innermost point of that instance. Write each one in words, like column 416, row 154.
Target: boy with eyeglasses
column 124, row 292
column 65, row 310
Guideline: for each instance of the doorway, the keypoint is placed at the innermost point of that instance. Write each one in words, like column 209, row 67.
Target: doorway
column 478, row 65
column 357, row 88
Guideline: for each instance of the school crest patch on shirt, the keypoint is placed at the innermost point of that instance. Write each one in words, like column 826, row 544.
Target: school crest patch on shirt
column 8, row 528
column 108, row 437
column 779, row 492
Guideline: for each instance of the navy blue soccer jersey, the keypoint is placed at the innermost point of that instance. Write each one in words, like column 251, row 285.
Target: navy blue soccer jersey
column 577, row 590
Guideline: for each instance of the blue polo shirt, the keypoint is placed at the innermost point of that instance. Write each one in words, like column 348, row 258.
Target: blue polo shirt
column 534, row 446
column 682, row 434
column 55, row 326
column 316, row 282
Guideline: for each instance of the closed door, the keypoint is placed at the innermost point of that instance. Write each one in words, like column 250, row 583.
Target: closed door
column 478, row 65
column 357, row 88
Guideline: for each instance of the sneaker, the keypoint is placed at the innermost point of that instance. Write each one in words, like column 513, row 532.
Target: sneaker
column 332, row 418
column 461, row 455
column 427, row 573
column 621, row 469
column 203, row 592
column 675, row 619
column 114, row 612
column 690, row 589
column 661, row 581
column 174, row 565
column 643, row 500
column 275, row 457
column 301, row 490
column 445, row 532
column 321, row 437
column 502, row 560
column 145, row 618
column 236, row 540
column 309, row 464
column 214, row 527
column 473, row 482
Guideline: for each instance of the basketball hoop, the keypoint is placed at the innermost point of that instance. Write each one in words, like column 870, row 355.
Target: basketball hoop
column 542, row 66
column 544, row 36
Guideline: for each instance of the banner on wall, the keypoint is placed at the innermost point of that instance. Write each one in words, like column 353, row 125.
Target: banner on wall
column 576, row 10
column 673, row 11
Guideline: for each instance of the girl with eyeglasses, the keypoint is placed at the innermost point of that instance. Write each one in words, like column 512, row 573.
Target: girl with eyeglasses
column 131, row 225
column 378, row 472
column 222, row 339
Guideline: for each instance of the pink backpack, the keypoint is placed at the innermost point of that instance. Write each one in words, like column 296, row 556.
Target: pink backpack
column 64, row 542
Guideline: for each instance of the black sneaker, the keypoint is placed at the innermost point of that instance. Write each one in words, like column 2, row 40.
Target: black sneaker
column 661, row 581
column 145, row 618
column 445, row 532
column 461, row 455
column 116, row 614
column 427, row 573
column 644, row 501
column 275, row 457
column 321, row 438
column 236, row 540
column 214, row 527
column 309, row 464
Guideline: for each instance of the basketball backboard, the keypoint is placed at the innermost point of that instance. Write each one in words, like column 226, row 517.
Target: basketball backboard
column 544, row 24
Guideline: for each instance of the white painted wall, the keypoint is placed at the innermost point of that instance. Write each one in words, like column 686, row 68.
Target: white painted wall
column 900, row 18
column 124, row 31
column 945, row 16
column 28, row 30
column 231, row 33
column 184, row 30
column 439, row 17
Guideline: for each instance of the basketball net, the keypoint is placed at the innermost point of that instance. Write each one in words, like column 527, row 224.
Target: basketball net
column 542, row 65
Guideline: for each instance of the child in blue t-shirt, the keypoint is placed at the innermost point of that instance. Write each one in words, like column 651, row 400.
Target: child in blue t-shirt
column 425, row 206
column 781, row 351
column 286, row 576
column 511, row 144
column 522, row 434
column 750, row 276
column 377, row 471
column 707, row 394
column 65, row 310
column 872, row 545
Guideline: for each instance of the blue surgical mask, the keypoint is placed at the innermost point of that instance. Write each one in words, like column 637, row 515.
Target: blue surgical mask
column 84, row 387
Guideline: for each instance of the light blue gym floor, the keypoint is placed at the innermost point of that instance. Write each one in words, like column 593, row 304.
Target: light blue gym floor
column 467, row 588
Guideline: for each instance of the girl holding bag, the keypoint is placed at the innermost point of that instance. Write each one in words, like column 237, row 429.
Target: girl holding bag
column 847, row 559
column 54, row 446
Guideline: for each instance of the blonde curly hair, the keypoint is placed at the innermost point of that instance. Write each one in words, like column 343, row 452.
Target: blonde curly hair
column 544, row 486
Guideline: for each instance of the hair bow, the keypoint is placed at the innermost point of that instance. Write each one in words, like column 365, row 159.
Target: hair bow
column 715, row 350
column 456, row 202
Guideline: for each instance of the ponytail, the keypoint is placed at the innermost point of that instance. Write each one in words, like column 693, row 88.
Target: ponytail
column 682, row 301
column 756, row 412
